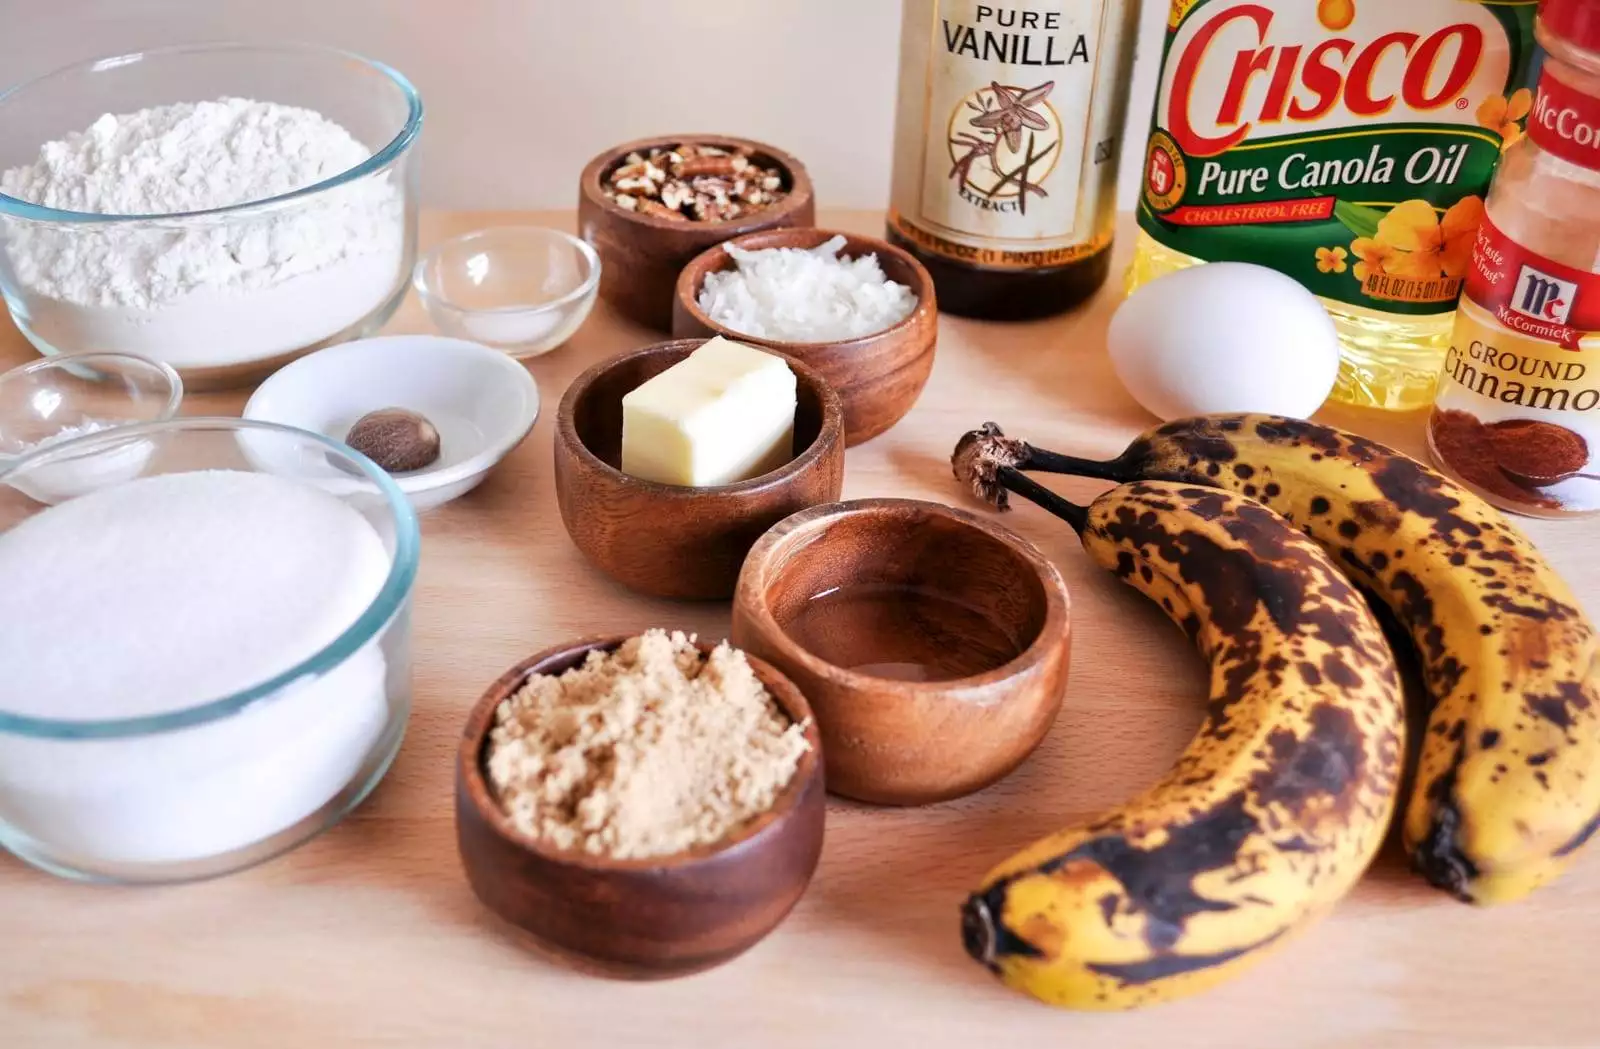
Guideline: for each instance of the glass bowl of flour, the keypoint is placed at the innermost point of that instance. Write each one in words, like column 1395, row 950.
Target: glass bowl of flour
column 221, row 208
column 206, row 663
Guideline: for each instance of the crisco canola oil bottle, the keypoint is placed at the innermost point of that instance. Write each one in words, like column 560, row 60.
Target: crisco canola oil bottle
column 1346, row 143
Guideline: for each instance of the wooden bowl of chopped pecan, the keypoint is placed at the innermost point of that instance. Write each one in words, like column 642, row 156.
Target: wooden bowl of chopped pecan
column 650, row 206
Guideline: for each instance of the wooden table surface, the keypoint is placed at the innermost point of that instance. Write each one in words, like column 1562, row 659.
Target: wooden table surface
column 369, row 934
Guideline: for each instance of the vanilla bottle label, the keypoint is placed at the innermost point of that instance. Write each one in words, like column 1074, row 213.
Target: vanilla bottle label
column 1006, row 147
column 1347, row 143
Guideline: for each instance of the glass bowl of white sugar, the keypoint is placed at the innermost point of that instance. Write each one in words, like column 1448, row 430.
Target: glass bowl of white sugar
column 222, row 208
column 205, row 664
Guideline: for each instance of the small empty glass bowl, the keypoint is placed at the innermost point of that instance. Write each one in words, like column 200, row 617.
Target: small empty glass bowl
column 523, row 289
column 60, row 399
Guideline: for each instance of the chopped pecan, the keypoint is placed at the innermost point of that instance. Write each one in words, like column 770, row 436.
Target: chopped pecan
column 656, row 209
column 693, row 181
column 721, row 166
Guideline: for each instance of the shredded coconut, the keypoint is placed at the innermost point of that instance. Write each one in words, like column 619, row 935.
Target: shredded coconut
column 795, row 295
column 646, row 751
column 168, row 287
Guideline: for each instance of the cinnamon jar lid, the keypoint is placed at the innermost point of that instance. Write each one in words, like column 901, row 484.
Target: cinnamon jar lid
column 1575, row 21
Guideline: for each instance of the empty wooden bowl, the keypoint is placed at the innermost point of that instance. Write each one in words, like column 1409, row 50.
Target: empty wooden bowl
column 963, row 625
column 641, row 255
column 668, row 540
column 879, row 376
column 638, row 919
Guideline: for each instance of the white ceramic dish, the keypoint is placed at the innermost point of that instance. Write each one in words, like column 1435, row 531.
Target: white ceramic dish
column 483, row 402
column 524, row 289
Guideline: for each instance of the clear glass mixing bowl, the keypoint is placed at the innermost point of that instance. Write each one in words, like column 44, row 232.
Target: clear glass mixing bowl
column 228, row 295
column 204, row 789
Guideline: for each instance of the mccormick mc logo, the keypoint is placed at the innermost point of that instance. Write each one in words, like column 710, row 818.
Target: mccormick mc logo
column 1543, row 297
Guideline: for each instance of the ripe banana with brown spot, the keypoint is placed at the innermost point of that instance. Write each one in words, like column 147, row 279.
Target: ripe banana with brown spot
column 1508, row 784
column 1272, row 813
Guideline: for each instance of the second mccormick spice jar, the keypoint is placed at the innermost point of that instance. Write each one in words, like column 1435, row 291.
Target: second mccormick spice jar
column 1006, row 148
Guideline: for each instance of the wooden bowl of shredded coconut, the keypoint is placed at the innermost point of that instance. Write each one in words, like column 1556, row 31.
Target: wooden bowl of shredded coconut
column 859, row 310
column 641, row 807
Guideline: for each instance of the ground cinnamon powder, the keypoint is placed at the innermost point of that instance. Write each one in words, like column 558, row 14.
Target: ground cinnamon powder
column 1463, row 445
column 1537, row 450
column 647, row 751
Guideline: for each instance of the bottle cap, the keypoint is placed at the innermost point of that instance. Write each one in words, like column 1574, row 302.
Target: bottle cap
column 1576, row 21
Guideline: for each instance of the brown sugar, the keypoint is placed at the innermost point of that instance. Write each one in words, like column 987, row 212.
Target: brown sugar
column 646, row 751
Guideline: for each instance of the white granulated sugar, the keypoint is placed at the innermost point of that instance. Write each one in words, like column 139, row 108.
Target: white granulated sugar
column 795, row 295
column 211, row 291
column 163, row 593
column 168, row 591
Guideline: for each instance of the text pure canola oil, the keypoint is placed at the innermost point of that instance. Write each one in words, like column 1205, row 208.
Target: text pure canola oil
column 1346, row 143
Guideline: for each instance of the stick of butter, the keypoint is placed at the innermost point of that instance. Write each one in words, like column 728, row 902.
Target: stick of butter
column 723, row 414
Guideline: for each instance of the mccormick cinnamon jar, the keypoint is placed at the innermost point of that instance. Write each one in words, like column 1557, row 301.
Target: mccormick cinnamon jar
column 1518, row 411
column 1006, row 147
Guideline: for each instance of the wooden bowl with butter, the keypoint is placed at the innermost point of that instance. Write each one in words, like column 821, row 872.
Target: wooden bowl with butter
column 676, row 541
column 647, row 918
column 931, row 643
column 879, row 376
column 642, row 250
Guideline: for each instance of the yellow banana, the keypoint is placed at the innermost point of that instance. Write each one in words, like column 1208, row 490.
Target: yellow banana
column 1508, row 783
column 1272, row 813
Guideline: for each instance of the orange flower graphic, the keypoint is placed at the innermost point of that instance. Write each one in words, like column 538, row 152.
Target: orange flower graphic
column 1331, row 260
column 1503, row 115
column 1373, row 257
column 1414, row 241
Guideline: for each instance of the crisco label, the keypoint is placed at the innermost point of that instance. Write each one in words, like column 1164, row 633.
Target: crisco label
column 1006, row 146
column 1347, row 143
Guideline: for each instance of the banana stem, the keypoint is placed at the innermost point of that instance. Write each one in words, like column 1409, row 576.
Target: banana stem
column 1019, row 483
column 1045, row 461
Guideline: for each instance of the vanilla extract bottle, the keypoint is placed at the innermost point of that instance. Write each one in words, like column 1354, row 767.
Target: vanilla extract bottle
column 1007, row 138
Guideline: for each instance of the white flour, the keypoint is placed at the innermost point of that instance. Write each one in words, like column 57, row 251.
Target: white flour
column 157, row 595
column 212, row 291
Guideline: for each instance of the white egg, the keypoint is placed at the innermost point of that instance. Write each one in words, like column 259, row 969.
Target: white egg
column 1225, row 337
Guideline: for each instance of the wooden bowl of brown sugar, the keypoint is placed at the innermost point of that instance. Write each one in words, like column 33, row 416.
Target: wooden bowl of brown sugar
column 652, row 918
column 643, row 248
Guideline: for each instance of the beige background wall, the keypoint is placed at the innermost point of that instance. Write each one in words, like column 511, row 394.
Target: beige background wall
column 519, row 93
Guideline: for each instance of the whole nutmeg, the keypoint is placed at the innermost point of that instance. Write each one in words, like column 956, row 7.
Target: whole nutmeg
column 396, row 439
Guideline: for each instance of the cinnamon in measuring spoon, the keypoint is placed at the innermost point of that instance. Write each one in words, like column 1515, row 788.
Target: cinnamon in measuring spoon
column 1536, row 451
column 1462, row 440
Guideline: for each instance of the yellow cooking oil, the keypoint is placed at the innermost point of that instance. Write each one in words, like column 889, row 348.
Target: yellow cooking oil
column 1346, row 143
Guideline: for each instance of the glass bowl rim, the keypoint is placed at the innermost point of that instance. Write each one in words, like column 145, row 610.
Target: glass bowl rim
column 380, row 159
column 390, row 598
column 432, row 295
column 167, row 372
